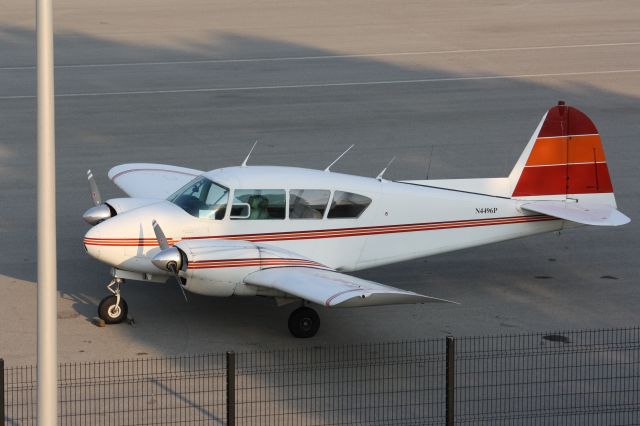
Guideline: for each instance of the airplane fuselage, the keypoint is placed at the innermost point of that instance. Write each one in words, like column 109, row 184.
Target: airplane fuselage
column 401, row 222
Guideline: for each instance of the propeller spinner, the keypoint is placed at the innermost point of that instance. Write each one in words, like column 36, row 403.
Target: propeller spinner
column 169, row 258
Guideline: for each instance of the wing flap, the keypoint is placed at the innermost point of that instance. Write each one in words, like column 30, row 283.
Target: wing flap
column 333, row 289
column 584, row 213
column 147, row 180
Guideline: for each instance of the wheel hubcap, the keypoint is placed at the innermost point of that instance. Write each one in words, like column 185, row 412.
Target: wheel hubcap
column 114, row 311
column 306, row 324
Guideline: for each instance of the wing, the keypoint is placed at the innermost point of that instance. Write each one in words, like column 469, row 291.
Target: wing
column 333, row 289
column 586, row 214
column 146, row 180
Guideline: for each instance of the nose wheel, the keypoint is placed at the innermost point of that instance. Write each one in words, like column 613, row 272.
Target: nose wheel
column 304, row 322
column 113, row 309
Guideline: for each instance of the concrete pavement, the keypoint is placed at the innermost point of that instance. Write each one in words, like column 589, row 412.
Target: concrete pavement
column 452, row 90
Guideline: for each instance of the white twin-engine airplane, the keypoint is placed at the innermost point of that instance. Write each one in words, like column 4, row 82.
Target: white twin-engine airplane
column 291, row 233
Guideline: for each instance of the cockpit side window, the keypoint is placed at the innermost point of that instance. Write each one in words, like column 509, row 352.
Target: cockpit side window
column 347, row 205
column 202, row 198
column 308, row 203
column 263, row 203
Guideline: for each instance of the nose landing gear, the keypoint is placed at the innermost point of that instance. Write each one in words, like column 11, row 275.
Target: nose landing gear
column 113, row 309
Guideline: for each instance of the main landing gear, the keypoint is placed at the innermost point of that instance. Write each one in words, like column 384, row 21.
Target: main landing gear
column 113, row 309
column 304, row 322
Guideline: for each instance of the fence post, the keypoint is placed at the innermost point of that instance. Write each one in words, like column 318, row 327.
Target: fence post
column 231, row 388
column 451, row 353
column 2, row 391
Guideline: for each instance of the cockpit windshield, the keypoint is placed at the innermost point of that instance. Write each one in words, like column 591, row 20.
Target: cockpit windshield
column 202, row 198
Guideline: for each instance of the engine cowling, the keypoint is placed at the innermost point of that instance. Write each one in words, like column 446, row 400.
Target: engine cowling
column 217, row 267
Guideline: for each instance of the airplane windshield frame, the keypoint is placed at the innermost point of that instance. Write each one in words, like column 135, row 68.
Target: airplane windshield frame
column 202, row 198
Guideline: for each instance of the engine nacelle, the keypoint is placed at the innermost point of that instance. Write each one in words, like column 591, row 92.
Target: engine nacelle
column 218, row 268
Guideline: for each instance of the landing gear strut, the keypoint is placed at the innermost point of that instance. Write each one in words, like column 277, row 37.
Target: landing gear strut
column 304, row 322
column 113, row 309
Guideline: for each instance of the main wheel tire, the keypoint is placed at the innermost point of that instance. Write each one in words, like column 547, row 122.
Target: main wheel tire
column 304, row 322
column 112, row 313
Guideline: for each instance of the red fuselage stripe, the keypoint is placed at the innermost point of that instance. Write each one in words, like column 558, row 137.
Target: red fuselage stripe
column 331, row 233
column 237, row 263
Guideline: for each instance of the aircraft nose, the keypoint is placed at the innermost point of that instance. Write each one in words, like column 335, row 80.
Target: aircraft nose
column 109, row 241
column 93, row 240
column 128, row 237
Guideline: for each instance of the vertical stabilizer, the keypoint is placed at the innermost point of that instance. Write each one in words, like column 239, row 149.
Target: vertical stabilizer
column 564, row 159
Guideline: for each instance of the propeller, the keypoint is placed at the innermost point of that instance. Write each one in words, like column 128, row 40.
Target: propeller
column 169, row 258
column 100, row 211
column 93, row 188
column 162, row 239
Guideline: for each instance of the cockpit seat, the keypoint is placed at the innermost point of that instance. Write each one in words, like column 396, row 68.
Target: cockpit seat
column 259, row 206
column 303, row 211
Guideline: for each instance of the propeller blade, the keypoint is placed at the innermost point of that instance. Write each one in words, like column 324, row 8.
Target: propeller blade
column 179, row 282
column 93, row 188
column 162, row 240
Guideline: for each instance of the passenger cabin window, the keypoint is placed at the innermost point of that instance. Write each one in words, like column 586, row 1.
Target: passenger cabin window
column 262, row 204
column 308, row 203
column 202, row 198
column 347, row 205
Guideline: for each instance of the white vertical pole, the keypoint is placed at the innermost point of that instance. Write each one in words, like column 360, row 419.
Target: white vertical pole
column 47, row 271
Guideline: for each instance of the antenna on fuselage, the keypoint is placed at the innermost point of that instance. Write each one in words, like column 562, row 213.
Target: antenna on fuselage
column 338, row 159
column 379, row 177
column 244, row 163
column 429, row 161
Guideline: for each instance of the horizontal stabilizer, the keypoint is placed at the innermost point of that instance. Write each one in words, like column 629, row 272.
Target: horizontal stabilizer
column 333, row 289
column 586, row 214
